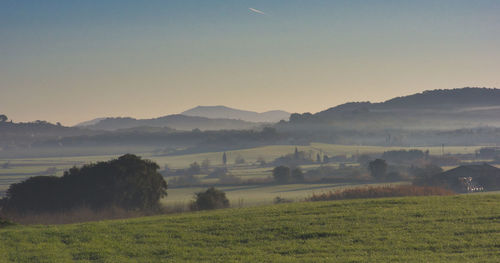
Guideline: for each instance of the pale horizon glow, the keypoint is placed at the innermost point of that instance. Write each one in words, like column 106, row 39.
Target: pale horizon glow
column 69, row 62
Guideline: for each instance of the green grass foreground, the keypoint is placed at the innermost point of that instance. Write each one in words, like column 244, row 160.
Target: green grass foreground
column 463, row 228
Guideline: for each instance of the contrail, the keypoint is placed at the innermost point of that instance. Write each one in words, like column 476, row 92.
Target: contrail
column 257, row 11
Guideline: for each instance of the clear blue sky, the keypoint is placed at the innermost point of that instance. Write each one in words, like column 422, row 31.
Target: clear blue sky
column 70, row 61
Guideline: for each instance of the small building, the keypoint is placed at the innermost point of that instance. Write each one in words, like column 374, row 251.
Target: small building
column 470, row 178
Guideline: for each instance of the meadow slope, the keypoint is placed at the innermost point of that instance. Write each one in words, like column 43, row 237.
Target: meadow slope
column 463, row 228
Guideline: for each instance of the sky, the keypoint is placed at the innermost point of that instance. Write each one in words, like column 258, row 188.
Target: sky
column 71, row 61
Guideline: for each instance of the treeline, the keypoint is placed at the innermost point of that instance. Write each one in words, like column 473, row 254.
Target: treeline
column 195, row 140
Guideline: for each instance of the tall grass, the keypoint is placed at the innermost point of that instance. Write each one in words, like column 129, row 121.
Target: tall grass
column 380, row 191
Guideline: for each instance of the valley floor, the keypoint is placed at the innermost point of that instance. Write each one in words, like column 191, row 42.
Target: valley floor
column 462, row 228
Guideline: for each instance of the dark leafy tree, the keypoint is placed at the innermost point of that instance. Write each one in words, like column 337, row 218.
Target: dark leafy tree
column 318, row 158
column 378, row 168
column 224, row 158
column 127, row 182
column 193, row 169
column 3, row 118
column 297, row 174
column 281, row 174
column 210, row 199
column 364, row 159
column 425, row 176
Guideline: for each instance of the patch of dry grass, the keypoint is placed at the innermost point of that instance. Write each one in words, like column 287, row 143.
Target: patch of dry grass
column 380, row 191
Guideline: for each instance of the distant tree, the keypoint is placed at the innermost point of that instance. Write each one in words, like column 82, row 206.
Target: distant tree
column 297, row 174
column 194, row 168
column 297, row 117
column 378, row 168
column 261, row 161
column 205, row 165
column 4, row 222
column 58, row 124
column 210, row 199
column 239, row 160
column 326, row 159
column 224, row 159
column 3, row 118
column 127, row 182
column 296, row 155
column 318, row 158
column 364, row 159
column 281, row 174
column 424, row 176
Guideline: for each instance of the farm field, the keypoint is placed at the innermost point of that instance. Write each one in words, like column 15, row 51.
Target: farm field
column 23, row 168
column 462, row 228
column 252, row 195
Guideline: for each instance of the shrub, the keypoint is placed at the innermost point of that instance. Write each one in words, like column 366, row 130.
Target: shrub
column 127, row 182
column 378, row 168
column 193, row 169
column 380, row 191
column 425, row 176
column 210, row 199
column 297, row 174
column 280, row 200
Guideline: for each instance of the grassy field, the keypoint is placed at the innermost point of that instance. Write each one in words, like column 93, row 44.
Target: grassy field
column 252, row 195
column 464, row 228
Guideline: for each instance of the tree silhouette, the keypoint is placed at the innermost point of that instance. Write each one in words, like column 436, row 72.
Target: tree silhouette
column 378, row 168
column 297, row 174
column 210, row 199
column 224, row 158
column 127, row 182
column 281, row 174
column 3, row 118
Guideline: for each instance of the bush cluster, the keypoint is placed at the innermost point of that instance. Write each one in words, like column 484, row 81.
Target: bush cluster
column 210, row 199
column 127, row 182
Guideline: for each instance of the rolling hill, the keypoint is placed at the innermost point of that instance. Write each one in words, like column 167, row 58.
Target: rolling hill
column 462, row 228
column 434, row 109
column 177, row 121
column 223, row 112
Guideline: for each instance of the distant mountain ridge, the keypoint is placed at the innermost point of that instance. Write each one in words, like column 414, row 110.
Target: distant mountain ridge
column 176, row 121
column 454, row 108
column 90, row 122
column 223, row 112
column 429, row 100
